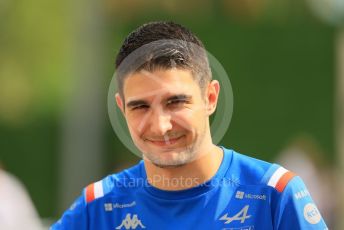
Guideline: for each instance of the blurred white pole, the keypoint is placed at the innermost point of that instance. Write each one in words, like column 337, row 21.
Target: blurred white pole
column 339, row 112
column 80, row 160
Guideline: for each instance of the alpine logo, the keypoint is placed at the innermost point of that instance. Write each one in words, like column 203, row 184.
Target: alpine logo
column 130, row 223
column 241, row 215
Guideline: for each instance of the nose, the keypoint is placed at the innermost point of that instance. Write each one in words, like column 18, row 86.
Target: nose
column 160, row 122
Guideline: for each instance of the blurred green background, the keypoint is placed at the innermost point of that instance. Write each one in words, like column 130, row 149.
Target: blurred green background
column 57, row 60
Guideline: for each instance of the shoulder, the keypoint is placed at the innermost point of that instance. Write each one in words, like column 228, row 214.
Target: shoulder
column 76, row 217
column 115, row 184
column 252, row 171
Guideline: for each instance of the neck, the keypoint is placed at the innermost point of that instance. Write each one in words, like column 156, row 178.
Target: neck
column 202, row 169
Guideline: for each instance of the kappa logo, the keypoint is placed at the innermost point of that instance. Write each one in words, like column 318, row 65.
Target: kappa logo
column 241, row 215
column 130, row 223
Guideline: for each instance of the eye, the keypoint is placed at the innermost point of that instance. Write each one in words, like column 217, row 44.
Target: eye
column 139, row 107
column 176, row 102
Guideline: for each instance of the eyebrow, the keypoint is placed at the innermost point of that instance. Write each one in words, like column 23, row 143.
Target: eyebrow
column 134, row 103
column 179, row 97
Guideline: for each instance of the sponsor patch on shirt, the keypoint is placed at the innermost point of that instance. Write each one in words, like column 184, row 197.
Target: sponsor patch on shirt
column 241, row 195
column 110, row 206
column 311, row 213
column 301, row 194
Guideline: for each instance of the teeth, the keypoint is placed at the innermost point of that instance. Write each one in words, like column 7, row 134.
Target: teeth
column 167, row 139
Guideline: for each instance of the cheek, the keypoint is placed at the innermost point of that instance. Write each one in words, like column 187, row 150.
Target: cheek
column 137, row 119
column 186, row 119
column 133, row 125
column 133, row 133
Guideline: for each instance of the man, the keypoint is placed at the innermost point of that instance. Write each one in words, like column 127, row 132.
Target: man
column 166, row 94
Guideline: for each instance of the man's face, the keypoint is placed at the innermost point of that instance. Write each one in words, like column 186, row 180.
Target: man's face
column 166, row 114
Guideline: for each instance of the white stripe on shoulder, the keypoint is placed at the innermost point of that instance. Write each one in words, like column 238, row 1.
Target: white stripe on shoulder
column 276, row 176
column 98, row 189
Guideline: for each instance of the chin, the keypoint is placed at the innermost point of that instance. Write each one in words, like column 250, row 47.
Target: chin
column 170, row 158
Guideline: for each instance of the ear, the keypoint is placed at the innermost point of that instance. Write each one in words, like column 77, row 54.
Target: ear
column 212, row 95
column 119, row 102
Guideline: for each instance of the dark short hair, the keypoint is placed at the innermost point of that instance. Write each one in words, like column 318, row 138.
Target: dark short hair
column 165, row 45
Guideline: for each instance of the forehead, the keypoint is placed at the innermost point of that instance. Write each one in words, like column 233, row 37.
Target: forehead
column 160, row 82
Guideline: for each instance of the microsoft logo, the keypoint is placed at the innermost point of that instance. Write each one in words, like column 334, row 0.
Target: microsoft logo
column 239, row 195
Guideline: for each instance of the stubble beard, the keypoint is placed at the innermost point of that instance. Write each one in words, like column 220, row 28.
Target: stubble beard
column 182, row 155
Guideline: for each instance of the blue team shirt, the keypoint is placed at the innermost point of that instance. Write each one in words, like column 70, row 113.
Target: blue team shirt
column 245, row 194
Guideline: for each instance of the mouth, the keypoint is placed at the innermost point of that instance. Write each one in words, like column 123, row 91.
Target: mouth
column 166, row 142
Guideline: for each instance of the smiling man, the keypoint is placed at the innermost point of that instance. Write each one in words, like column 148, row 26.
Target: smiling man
column 166, row 94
